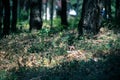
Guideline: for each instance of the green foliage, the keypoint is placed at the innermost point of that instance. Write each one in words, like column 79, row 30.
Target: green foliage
column 23, row 20
column 44, row 32
column 57, row 22
column 60, row 51
column 58, row 27
column 113, row 7
column 3, row 75
column 36, row 48
column 23, row 15
column 73, row 23
column 116, row 44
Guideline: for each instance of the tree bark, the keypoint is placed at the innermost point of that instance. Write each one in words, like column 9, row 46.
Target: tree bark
column 59, row 8
column 64, row 13
column 51, row 12
column 117, row 13
column 90, row 17
column 80, row 25
column 1, row 15
column 14, row 15
column 45, row 10
column 6, row 21
column 35, row 14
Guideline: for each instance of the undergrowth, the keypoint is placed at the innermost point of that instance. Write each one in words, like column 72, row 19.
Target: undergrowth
column 46, row 55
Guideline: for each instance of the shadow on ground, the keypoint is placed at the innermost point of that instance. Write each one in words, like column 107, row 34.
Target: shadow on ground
column 107, row 68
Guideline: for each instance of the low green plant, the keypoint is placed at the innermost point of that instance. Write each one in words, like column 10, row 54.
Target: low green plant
column 36, row 48
column 3, row 75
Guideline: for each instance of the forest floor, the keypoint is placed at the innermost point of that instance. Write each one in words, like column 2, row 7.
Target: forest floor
column 60, row 55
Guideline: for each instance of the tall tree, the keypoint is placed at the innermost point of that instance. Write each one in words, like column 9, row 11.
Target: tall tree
column 64, row 13
column 35, row 14
column 14, row 15
column 117, row 14
column 51, row 12
column 1, row 15
column 80, row 25
column 108, row 9
column 58, row 8
column 6, row 21
column 89, row 17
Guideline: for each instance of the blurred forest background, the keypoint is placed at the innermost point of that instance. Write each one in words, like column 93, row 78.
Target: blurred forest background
column 59, row 39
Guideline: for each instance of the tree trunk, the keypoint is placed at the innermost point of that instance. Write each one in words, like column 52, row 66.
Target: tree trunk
column 108, row 9
column 6, row 21
column 80, row 25
column 64, row 13
column 1, row 15
column 35, row 14
column 51, row 12
column 14, row 15
column 117, row 13
column 90, row 17
column 59, row 7
column 46, row 5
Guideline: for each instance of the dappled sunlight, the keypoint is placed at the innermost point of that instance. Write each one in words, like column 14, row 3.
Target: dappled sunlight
column 36, row 50
column 79, row 41
column 108, row 68
column 41, row 54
